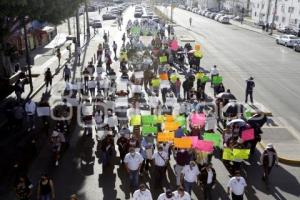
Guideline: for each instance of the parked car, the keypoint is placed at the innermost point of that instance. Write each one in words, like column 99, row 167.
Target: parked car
column 207, row 14
column 108, row 16
column 224, row 20
column 138, row 14
column 297, row 46
column 97, row 24
column 237, row 18
column 217, row 17
column 155, row 18
column 212, row 15
column 287, row 40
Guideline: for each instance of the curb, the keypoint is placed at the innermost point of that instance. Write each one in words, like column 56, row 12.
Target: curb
column 283, row 160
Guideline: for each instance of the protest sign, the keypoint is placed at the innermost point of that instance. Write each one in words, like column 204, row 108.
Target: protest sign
column 217, row 80
column 43, row 111
column 227, row 154
column 163, row 59
column 135, row 120
column 241, row 153
column 248, row 134
column 183, row 143
column 165, row 137
column 87, row 110
column 171, row 126
column 121, row 102
column 149, row 129
column 163, row 76
column 206, row 146
column 181, row 120
column 149, row 119
column 139, row 74
column 215, row 138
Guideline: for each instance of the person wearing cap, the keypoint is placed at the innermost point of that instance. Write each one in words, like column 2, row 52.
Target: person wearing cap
column 160, row 160
column 236, row 186
column 180, row 194
column 268, row 159
column 189, row 176
column 142, row 193
column 133, row 161
column 249, row 89
column 168, row 195
column 208, row 180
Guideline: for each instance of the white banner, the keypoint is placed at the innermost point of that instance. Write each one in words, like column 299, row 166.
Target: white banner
column 87, row 110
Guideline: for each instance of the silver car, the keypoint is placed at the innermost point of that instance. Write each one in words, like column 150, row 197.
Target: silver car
column 287, row 40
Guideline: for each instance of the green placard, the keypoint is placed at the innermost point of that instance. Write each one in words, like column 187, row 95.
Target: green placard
column 217, row 80
column 155, row 82
column 181, row 120
column 204, row 79
column 163, row 59
column 215, row 138
column 149, row 119
column 149, row 129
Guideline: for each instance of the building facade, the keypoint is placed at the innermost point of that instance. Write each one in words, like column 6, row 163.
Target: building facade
column 287, row 12
column 236, row 7
column 208, row 4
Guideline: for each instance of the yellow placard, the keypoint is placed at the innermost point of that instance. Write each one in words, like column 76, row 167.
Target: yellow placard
column 165, row 137
column 171, row 126
column 169, row 118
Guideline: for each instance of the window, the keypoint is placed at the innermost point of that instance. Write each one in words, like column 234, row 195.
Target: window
column 258, row 5
column 255, row 14
column 295, row 21
column 283, row 19
column 276, row 18
column 262, row 6
column 291, row 9
column 282, row 8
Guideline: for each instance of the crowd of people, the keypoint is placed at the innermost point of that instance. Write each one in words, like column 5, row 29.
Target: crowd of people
column 164, row 81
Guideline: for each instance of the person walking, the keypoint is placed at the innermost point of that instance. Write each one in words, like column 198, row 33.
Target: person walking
column 23, row 188
column 45, row 190
column 269, row 159
column 30, row 109
column 182, row 159
column 115, row 47
column 123, row 146
column 58, row 55
column 213, row 72
column 180, row 194
column 208, row 180
column 48, row 78
column 142, row 193
column 67, row 73
column 249, row 89
column 160, row 160
column 189, row 176
column 190, row 21
column 177, row 88
column 236, row 186
column 92, row 84
column 19, row 89
column 133, row 161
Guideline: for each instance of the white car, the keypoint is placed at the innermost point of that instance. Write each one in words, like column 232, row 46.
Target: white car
column 287, row 40
column 224, row 20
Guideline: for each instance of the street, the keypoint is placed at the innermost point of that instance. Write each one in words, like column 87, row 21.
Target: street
column 238, row 54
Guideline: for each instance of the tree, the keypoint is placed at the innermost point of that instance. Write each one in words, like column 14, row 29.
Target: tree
column 52, row 11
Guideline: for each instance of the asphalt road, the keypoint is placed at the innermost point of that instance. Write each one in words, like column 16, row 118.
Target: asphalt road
column 92, row 183
column 241, row 53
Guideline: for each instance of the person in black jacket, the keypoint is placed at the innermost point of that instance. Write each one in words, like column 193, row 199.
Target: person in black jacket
column 208, row 180
column 249, row 89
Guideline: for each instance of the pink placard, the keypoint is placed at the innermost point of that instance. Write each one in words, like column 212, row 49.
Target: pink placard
column 174, row 45
column 248, row 134
column 206, row 146
column 198, row 119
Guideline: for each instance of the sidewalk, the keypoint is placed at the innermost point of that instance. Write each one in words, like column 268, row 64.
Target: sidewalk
column 254, row 28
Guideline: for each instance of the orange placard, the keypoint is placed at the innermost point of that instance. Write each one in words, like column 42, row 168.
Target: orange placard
column 183, row 143
column 169, row 118
column 163, row 76
column 171, row 126
column 165, row 137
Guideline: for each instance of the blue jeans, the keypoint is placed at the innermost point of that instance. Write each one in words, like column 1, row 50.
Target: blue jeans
column 134, row 179
column 188, row 186
column 45, row 197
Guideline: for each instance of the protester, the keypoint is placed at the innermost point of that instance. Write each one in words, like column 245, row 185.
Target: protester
column 19, row 89
column 236, row 186
column 30, row 109
column 23, row 188
column 180, row 194
column 45, row 190
column 48, row 78
column 160, row 161
column 115, row 47
column 182, row 159
column 189, row 176
column 213, row 72
column 123, row 145
column 208, row 180
column 67, row 73
column 168, row 195
column 268, row 159
column 142, row 193
column 133, row 161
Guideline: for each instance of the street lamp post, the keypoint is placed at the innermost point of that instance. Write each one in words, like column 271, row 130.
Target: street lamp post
column 28, row 60
column 273, row 18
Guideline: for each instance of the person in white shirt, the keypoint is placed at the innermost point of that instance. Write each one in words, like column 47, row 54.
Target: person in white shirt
column 180, row 194
column 133, row 161
column 236, row 186
column 214, row 72
column 189, row 176
column 168, row 195
column 160, row 160
column 153, row 102
column 92, row 84
column 30, row 109
column 142, row 193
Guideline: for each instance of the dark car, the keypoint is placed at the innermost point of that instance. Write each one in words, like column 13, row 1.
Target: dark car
column 97, row 24
column 108, row 16
column 138, row 14
column 297, row 46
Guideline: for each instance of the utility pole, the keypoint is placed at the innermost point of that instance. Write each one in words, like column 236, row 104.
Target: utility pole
column 172, row 9
column 78, row 28
column 28, row 60
column 268, row 11
column 274, row 15
column 87, row 19
column 69, row 26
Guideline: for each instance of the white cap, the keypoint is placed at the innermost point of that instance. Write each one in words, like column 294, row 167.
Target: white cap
column 269, row 146
column 55, row 134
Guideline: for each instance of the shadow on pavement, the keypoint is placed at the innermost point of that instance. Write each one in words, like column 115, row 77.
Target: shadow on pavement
column 107, row 182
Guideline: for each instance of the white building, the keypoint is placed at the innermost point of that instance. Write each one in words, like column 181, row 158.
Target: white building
column 208, row 4
column 287, row 12
column 236, row 7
